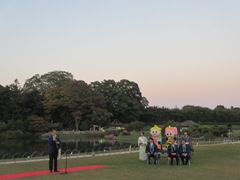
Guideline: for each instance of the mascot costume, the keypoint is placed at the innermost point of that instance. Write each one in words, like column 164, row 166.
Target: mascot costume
column 155, row 131
column 170, row 132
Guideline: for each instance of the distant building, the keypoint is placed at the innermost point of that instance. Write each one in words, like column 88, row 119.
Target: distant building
column 116, row 124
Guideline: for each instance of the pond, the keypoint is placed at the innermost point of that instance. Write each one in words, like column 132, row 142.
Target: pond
column 41, row 145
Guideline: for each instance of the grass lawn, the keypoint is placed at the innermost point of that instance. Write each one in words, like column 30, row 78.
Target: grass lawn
column 209, row 162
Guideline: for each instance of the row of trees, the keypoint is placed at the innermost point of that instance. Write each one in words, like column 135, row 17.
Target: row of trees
column 218, row 115
column 56, row 97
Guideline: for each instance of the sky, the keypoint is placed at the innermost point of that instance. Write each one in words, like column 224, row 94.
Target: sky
column 178, row 52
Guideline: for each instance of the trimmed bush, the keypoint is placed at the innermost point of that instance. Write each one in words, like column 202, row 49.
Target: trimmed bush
column 209, row 135
column 135, row 126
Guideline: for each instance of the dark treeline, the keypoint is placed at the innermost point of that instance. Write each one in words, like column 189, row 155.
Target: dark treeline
column 57, row 99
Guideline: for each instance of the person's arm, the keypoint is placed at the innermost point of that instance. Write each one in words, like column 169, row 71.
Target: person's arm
column 180, row 149
column 188, row 149
column 169, row 149
column 155, row 148
column 59, row 144
column 139, row 141
column 147, row 147
column 50, row 140
column 177, row 150
column 145, row 141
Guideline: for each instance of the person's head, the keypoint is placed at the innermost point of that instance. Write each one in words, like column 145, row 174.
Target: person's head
column 173, row 140
column 183, row 141
column 150, row 140
column 185, row 133
column 142, row 133
column 54, row 132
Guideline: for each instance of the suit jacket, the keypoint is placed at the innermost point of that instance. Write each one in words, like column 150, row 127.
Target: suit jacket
column 188, row 149
column 53, row 146
column 148, row 148
column 171, row 150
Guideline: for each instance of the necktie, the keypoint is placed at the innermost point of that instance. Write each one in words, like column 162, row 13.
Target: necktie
column 151, row 148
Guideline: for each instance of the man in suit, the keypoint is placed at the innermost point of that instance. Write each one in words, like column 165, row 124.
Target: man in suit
column 151, row 150
column 184, row 151
column 53, row 145
column 172, row 151
column 188, row 139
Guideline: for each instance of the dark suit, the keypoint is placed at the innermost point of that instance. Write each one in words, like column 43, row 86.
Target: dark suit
column 173, row 148
column 183, row 151
column 151, row 150
column 53, row 152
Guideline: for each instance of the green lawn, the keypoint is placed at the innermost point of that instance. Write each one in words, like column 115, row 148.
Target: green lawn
column 218, row 162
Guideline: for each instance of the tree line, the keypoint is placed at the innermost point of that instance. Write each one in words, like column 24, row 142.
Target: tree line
column 56, row 98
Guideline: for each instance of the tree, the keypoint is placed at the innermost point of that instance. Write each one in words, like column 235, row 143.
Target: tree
column 37, row 124
column 15, row 100
column 123, row 99
column 49, row 80
column 32, row 102
column 77, row 99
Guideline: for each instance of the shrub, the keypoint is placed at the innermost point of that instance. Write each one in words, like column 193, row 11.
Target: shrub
column 196, row 133
column 219, row 130
column 37, row 124
column 12, row 134
column 134, row 126
column 28, row 135
column 209, row 135
column 235, row 135
column 114, row 132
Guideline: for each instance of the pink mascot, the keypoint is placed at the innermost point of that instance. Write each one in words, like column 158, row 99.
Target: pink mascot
column 170, row 132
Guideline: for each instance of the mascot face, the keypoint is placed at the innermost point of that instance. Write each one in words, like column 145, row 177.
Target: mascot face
column 155, row 131
column 171, row 131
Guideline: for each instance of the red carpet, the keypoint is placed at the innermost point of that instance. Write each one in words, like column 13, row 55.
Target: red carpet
column 39, row 173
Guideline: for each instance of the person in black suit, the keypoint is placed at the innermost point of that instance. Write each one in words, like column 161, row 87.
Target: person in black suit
column 184, row 151
column 151, row 150
column 172, row 151
column 53, row 145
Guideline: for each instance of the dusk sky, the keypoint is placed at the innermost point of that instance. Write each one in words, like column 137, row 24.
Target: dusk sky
column 179, row 52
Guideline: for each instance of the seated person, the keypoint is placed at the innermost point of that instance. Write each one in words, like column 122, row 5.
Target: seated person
column 151, row 150
column 188, row 140
column 184, row 151
column 172, row 151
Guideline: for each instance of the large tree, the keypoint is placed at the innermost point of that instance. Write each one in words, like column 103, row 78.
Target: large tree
column 46, row 81
column 124, row 99
column 78, row 101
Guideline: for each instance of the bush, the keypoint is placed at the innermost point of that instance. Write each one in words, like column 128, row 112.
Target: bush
column 235, row 135
column 134, row 126
column 95, row 134
column 3, row 126
column 17, row 125
column 199, row 130
column 219, row 130
column 114, row 132
column 37, row 135
column 28, row 135
column 12, row 134
column 37, row 124
column 204, row 129
column 125, row 132
column 209, row 135
column 196, row 133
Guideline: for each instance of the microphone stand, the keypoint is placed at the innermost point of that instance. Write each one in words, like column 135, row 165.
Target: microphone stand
column 65, row 172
